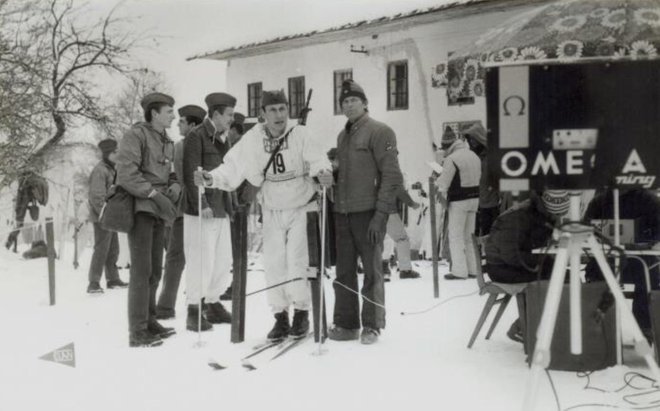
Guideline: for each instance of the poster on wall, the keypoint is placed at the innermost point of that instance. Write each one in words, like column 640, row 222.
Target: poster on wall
column 465, row 81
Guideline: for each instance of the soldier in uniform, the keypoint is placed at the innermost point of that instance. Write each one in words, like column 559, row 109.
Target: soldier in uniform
column 145, row 170
column 106, row 243
column 206, row 146
column 190, row 116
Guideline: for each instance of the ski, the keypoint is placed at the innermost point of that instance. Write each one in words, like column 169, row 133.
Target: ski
column 257, row 349
column 284, row 347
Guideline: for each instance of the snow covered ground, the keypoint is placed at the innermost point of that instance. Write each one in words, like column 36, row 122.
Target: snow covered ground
column 420, row 363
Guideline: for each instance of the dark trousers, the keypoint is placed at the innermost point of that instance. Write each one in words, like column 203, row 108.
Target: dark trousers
column 512, row 274
column 352, row 241
column 146, row 243
column 175, row 261
column 485, row 219
column 106, row 252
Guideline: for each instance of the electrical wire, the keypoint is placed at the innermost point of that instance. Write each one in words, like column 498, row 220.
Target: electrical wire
column 433, row 307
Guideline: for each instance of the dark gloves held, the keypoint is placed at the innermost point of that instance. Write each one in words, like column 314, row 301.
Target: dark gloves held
column 166, row 208
column 377, row 227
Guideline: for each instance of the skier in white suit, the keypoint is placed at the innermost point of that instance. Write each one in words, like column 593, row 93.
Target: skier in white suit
column 285, row 161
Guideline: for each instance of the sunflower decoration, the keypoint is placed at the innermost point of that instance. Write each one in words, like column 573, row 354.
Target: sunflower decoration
column 471, row 70
column 569, row 24
column 478, row 88
column 599, row 13
column 569, row 50
column 532, row 53
column 650, row 16
column 508, row 54
column 439, row 76
column 615, row 19
column 642, row 49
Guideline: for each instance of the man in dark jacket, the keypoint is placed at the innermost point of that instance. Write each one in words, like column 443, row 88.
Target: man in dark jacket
column 205, row 146
column 368, row 175
column 106, row 243
column 514, row 235
column 190, row 116
column 145, row 170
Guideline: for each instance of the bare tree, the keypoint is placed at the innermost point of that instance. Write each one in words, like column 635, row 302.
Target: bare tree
column 126, row 110
column 50, row 59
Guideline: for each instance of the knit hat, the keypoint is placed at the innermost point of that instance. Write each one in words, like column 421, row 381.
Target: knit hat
column 349, row 88
column 273, row 97
column 556, row 202
column 107, row 146
column 477, row 132
column 449, row 136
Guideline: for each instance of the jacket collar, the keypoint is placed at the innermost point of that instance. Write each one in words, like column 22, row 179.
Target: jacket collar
column 213, row 132
column 151, row 128
column 352, row 127
column 456, row 145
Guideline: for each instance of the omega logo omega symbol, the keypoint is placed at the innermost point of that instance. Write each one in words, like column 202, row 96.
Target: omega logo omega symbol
column 521, row 103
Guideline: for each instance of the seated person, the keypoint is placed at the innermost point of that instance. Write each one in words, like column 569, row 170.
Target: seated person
column 635, row 203
column 518, row 231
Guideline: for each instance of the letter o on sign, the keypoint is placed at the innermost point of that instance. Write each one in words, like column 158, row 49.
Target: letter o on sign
column 518, row 169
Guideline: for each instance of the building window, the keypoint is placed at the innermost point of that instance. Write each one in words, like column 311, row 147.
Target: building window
column 296, row 96
column 340, row 76
column 397, row 85
column 254, row 99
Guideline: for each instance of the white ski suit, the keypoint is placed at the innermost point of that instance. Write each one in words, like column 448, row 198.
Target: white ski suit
column 287, row 193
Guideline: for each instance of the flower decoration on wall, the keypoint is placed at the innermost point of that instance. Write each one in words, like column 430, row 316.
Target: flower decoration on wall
column 439, row 76
column 562, row 31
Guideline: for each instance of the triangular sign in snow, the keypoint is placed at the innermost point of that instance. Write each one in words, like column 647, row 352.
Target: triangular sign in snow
column 64, row 355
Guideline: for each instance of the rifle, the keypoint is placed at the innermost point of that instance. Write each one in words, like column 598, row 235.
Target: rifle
column 302, row 119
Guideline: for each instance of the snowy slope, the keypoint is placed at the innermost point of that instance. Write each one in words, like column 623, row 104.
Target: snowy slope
column 420, row 363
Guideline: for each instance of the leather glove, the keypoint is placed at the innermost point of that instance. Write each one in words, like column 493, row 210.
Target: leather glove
column 325, row 178
column 202, row 178
column 12, row 239
column 207, row 213
column 377, row 227
column 166, row 208
column 174, row 192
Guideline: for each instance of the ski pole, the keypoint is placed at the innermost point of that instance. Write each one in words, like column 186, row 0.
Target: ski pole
column 322, row 268
column 200, row 193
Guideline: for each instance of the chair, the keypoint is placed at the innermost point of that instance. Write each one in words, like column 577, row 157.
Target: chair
column 498, row 293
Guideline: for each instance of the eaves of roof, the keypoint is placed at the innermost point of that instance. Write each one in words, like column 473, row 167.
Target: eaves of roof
column 401, row 21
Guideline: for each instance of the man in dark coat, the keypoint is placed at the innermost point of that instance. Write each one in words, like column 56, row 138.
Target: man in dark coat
column 145, row 170
column 205, row 146
column 368, row 175
column 190, row 116
column 106, row 243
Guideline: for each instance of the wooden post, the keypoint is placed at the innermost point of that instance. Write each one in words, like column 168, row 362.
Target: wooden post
column 240, row 243
column 50, row 242
column 75, row 247
column 434, row 237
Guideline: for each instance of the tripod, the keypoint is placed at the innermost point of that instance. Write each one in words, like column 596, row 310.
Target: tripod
column 573, row 238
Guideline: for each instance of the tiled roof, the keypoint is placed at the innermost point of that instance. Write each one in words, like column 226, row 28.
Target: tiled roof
column 322, row 36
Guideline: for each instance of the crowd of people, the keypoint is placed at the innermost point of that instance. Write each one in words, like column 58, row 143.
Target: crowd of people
column 187, row 194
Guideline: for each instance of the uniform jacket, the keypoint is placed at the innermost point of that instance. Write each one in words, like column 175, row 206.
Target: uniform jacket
column 144, row 163
column 518, row 231
column 288, row 182
column 102, row 177
column 204, row 147
column 368, row 173
column 461, row 174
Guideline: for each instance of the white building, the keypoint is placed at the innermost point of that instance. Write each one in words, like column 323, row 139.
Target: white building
column 393, row 58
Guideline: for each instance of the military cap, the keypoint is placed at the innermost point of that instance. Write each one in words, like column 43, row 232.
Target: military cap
column 108, row 145
column 239, row 118
column 192, row 110
column 219, row 99
column 350, row 88
column 156, row 98
column 273, row 97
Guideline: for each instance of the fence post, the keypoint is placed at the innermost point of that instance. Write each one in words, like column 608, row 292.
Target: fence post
column 50, row 243
column 434, row 237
